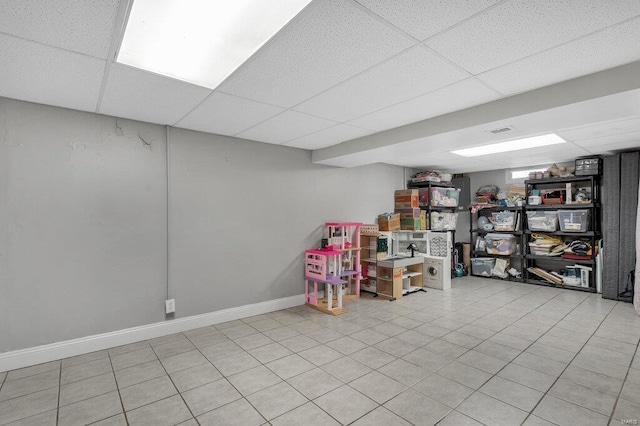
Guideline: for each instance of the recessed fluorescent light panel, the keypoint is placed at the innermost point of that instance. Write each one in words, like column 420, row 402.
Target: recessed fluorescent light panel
column 201, row 41
column 519, row 174
column 515, row 145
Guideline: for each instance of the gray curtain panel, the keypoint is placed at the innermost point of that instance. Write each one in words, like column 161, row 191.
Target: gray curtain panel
column 620, row 211
column 610, row 225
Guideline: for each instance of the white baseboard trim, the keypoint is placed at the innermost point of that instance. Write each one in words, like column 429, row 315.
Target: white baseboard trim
column 54, row 351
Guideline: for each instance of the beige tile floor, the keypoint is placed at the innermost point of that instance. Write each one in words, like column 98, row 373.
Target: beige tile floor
column 486, row 352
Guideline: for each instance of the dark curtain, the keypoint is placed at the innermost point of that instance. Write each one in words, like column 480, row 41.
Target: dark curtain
column 620, row 208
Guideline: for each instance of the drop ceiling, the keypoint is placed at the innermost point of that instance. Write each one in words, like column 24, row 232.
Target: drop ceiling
column 361, row 82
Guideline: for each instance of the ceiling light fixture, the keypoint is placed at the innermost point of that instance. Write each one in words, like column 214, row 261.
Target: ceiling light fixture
column 201, row 41
column 521, row 174
column 514, row 145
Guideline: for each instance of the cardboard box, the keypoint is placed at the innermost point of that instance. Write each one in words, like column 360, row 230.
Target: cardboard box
column 410, row 224
column 406, row 199
column 386, row 223
column 407, row 215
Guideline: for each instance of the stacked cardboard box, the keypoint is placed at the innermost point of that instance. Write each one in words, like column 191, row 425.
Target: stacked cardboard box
column 406, row 204
column 406, row 199
column 389, row 222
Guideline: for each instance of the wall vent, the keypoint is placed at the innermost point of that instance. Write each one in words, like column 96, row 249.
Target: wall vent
column 502, row 130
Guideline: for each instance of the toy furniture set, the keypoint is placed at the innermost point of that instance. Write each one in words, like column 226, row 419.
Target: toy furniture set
column 336, row 267
column 335, row 272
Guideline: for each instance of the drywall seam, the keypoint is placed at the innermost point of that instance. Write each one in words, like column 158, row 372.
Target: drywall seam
column 40, row 354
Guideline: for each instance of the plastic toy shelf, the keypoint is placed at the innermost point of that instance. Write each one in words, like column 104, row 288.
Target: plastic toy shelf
column 335, row 266
column 328, row 304
column 329, row 280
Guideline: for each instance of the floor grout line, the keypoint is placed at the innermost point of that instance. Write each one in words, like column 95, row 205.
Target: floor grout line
column 624, row 382
column 568, row 363
column 447, row 307
column 59, row 392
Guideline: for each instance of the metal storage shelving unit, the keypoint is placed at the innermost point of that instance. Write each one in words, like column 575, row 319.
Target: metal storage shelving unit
column 591, row 235
column 517, row 257
column 432, row 209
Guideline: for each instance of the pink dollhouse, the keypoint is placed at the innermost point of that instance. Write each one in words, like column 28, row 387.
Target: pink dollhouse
column 337, row 266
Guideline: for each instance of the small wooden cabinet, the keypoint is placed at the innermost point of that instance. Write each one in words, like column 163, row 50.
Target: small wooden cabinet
column 397, row 276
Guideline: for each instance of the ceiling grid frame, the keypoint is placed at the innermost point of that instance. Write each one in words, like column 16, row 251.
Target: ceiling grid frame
column 67, row 35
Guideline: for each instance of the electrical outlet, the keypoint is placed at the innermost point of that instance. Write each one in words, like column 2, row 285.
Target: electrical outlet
column 169, row 306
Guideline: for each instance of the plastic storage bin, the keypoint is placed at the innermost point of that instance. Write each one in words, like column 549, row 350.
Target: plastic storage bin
column 444, row 197
column 500, row 244
column 482, row 266
column 503, row 221
column 543, row 220
column 443, row 221
column 574, row 220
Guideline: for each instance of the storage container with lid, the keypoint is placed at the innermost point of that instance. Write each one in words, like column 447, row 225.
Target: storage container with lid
column 574, row 220
column 542, row 220
column 482, row 266
column 503, row 221
column 502, row 244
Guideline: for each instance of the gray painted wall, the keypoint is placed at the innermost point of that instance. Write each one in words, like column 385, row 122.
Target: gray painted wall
column 83, row 221
column 243, row 212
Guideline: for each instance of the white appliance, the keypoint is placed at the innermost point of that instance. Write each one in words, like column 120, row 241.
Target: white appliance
column 437, row 262
column 436, row 248
column 437, row 272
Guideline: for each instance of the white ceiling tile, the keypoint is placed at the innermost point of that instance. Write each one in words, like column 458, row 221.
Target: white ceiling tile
column 227, row 115
column 327, row 137
column 403, row 77
column 46, row 75
column 139, row 95
column 423, row 19
column 433, row 158
column 285, row 127
column 516, row 29
column 602, row 50
column 327, row 43
column 615, row 144
column 461, row 95
column 445, row 162
column 536, row 156
column 631, row 138
column 601, row 130
column 81, row 26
